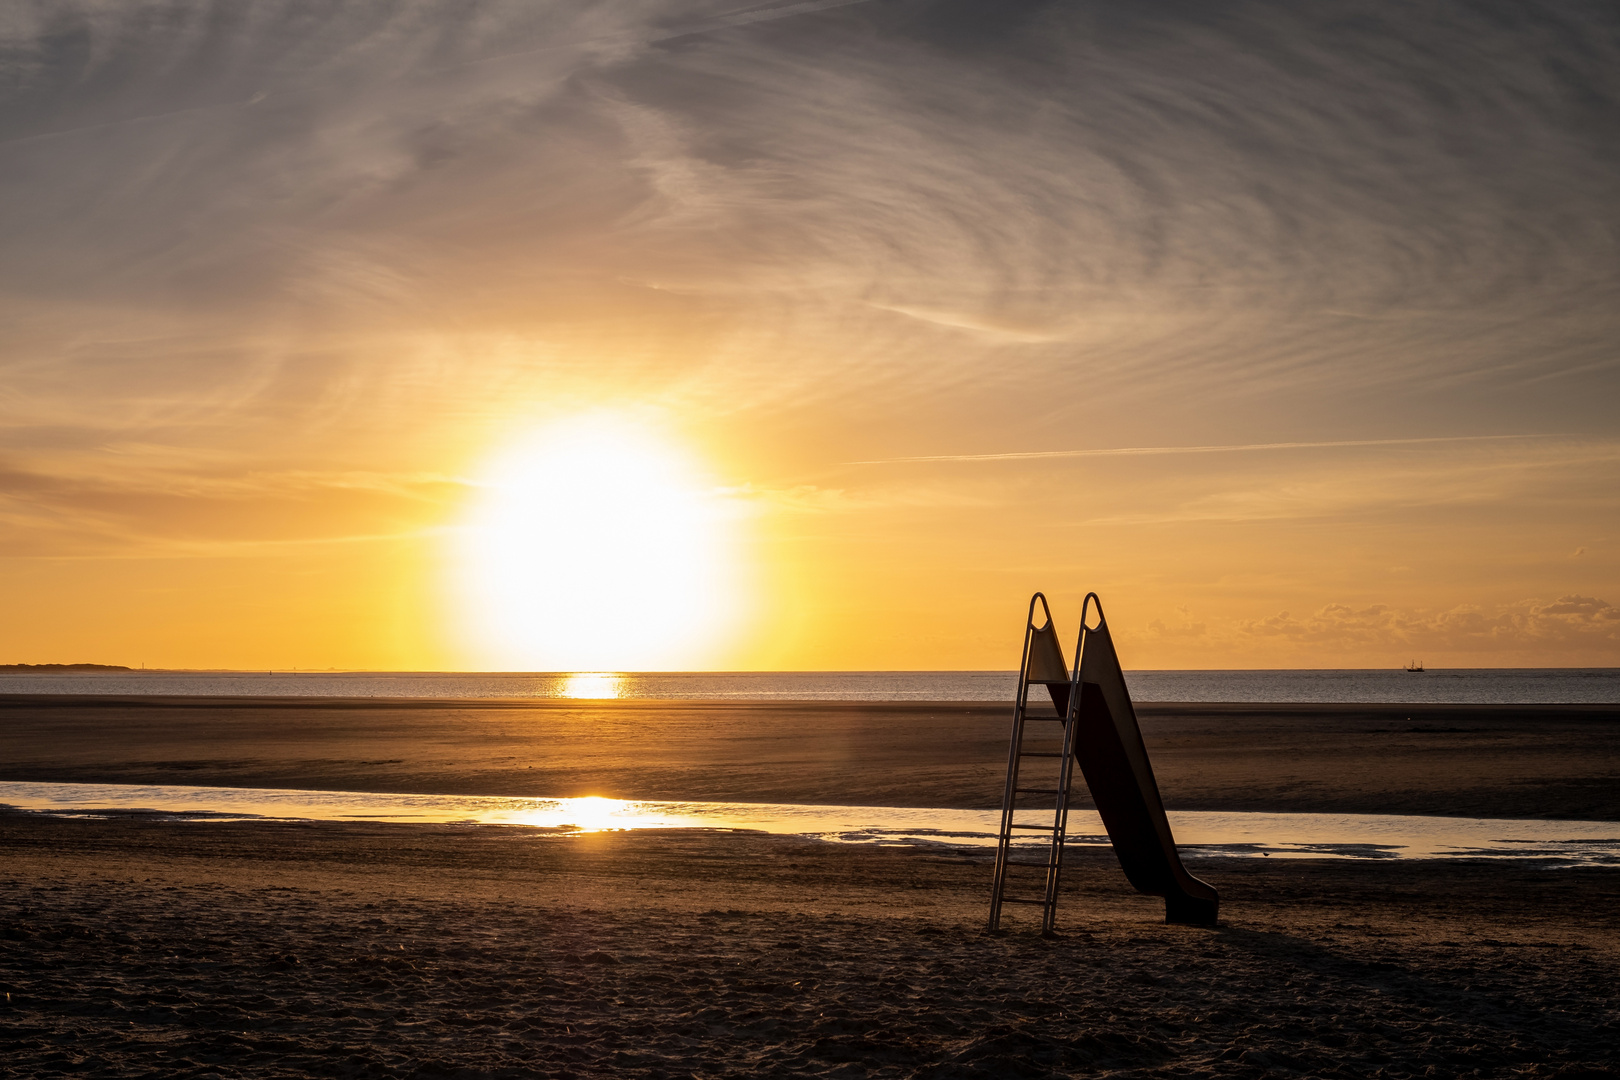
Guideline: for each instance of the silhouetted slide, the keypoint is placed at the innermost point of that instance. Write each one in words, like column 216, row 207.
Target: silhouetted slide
column 1114, row 760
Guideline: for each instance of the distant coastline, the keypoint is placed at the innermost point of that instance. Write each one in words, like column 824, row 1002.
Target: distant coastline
column 64, row 667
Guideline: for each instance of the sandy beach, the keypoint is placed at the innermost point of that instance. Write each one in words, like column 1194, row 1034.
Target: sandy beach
column 134, row 946
column 141, row 948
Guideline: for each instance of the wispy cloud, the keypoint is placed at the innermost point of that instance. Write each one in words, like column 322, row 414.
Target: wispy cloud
column 1155, row 451
column 1571, row 621
column 145, row 510
column 1533, row 479
column 917, row 200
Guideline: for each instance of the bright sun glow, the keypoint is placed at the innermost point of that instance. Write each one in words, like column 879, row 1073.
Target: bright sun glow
column 596, row 545
column 591, row 685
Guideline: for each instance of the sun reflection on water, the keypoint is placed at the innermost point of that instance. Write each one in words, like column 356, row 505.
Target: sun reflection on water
column 593, row 813
column 593, row 685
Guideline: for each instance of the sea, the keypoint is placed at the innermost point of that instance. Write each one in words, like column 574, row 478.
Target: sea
column 1460, row 686
column 1547, row 843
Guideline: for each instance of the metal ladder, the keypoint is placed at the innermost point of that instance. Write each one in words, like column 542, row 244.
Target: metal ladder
column 1042, row 666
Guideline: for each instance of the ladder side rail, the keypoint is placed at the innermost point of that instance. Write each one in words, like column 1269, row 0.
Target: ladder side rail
column 1015, row 747
column 1060, row 835
column 1060, row 830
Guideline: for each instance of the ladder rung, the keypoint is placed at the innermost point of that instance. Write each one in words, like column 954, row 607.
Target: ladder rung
column 1036, row 791
column 1038, row 865
column 1018, row 900
column 1040, row 753
column 1043, row 828
column 1049, row 719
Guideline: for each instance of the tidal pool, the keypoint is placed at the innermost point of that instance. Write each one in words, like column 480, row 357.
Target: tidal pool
column 1198, row 833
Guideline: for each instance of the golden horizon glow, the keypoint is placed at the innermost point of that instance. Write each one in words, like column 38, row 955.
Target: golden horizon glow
column 594, row 543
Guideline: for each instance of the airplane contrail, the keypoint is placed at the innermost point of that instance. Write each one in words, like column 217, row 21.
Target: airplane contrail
column 1145, row 451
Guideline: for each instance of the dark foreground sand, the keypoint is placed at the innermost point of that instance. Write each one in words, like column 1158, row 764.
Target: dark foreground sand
column 1477, row 761
column 132, row 946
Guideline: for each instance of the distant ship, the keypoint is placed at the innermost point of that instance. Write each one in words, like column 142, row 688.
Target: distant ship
column 1415, row 666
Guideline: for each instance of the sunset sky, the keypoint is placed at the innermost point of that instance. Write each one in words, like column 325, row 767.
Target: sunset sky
column 670, row 333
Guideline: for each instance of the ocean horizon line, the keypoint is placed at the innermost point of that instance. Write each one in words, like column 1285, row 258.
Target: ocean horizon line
column 122, row 669
column 1483, row 686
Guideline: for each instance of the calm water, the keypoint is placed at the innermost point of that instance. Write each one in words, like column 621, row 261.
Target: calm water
column 1351, row 836
column 1466, row 686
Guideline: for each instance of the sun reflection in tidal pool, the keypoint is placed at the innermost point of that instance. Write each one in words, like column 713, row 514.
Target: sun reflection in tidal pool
column 592, row 813
column 1202, row 834
column 594, row 685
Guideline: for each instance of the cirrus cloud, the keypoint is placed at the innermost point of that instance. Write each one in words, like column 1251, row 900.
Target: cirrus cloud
column 1572, row 621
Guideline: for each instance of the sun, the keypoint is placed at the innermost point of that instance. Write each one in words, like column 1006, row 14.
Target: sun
column 596, row 545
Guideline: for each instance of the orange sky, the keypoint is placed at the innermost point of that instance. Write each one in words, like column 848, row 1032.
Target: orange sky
column 1294, row 339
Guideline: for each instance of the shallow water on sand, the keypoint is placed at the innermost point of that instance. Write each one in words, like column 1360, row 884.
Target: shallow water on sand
column 1351, row 836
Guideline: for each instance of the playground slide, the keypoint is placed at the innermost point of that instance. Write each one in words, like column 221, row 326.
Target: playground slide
column 1114, row 760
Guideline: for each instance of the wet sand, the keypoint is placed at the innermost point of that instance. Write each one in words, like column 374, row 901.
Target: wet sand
column 1475, row 761
column 134, row 946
